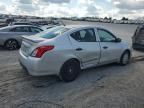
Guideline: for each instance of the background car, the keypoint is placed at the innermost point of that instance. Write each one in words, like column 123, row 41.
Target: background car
column 65, row 50
column 24, row 23
column 11, row 36
column 138, row 38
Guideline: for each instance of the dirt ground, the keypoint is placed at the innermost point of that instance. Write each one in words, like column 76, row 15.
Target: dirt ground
column 109, row 86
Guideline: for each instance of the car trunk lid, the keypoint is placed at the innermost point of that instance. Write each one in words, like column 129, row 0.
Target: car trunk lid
column 29, row 43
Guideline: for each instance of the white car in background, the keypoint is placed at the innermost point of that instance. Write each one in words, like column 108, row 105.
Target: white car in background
column 65, row 50
column 11, row 36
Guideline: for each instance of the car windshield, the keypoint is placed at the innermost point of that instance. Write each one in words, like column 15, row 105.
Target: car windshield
column 52, row 32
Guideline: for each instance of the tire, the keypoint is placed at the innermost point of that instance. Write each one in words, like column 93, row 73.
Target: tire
column 70, row 71
column 125, row 58
column 11, row 44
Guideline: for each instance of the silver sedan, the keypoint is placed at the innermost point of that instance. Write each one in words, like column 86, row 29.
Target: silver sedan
column 11, row 36
column 65, row 50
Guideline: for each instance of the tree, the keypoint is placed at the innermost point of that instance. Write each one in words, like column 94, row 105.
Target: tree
column 124, row 18
column 105, row 18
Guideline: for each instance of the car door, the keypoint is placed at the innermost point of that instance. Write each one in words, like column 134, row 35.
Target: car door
column 22, row 30
column 18, row 32
column 110, row 49
column 85, row 46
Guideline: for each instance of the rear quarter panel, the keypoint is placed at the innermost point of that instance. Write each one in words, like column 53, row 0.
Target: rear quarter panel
column 63, row 51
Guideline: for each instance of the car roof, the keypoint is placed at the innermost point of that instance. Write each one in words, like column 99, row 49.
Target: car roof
column 74, row 27
column 81, row 26
column 22, row 23
column 22, row 26
column 12, row 26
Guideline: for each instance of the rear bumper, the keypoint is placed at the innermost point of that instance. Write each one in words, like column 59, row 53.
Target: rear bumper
column 34, row 66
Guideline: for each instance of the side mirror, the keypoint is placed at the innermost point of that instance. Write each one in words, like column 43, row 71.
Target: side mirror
column 118, row 40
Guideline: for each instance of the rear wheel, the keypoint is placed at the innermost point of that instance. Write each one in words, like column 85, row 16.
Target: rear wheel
column 125, row 58
column 11, row 44
column 70, row 71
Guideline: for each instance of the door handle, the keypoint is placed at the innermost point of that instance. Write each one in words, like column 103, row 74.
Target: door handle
column 79, row 49
column 105, row 47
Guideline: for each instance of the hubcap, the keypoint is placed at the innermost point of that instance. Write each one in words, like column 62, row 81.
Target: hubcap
column 11, row 44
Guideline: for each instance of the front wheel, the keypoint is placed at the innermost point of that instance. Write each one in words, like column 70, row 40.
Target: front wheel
column 70, row 71
column 125, row 58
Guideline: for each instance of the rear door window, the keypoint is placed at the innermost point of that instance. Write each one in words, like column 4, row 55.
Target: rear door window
column 86, row 35
column 20, row 29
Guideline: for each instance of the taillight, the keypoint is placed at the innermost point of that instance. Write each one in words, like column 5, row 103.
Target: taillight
column 39, row 51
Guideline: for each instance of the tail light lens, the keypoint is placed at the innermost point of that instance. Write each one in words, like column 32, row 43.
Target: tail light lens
column 39, row 51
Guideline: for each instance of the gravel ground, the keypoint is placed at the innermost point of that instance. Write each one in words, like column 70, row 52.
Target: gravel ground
column 109, row 86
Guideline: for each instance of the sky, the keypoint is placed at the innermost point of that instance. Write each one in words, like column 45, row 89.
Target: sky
column 74, row 8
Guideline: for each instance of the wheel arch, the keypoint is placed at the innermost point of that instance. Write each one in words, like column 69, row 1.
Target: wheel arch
column 72, row 58
column 62, row 69
column 127, row 50
column 12, row 39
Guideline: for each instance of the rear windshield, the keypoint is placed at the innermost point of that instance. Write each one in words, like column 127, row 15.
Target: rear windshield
column 52, row 32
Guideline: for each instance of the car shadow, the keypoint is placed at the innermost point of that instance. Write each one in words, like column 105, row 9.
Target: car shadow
column 4, row 49
column 92, row 78
column 89, row 75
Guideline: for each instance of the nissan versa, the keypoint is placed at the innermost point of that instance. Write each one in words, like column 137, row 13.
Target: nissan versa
column 65, row 50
